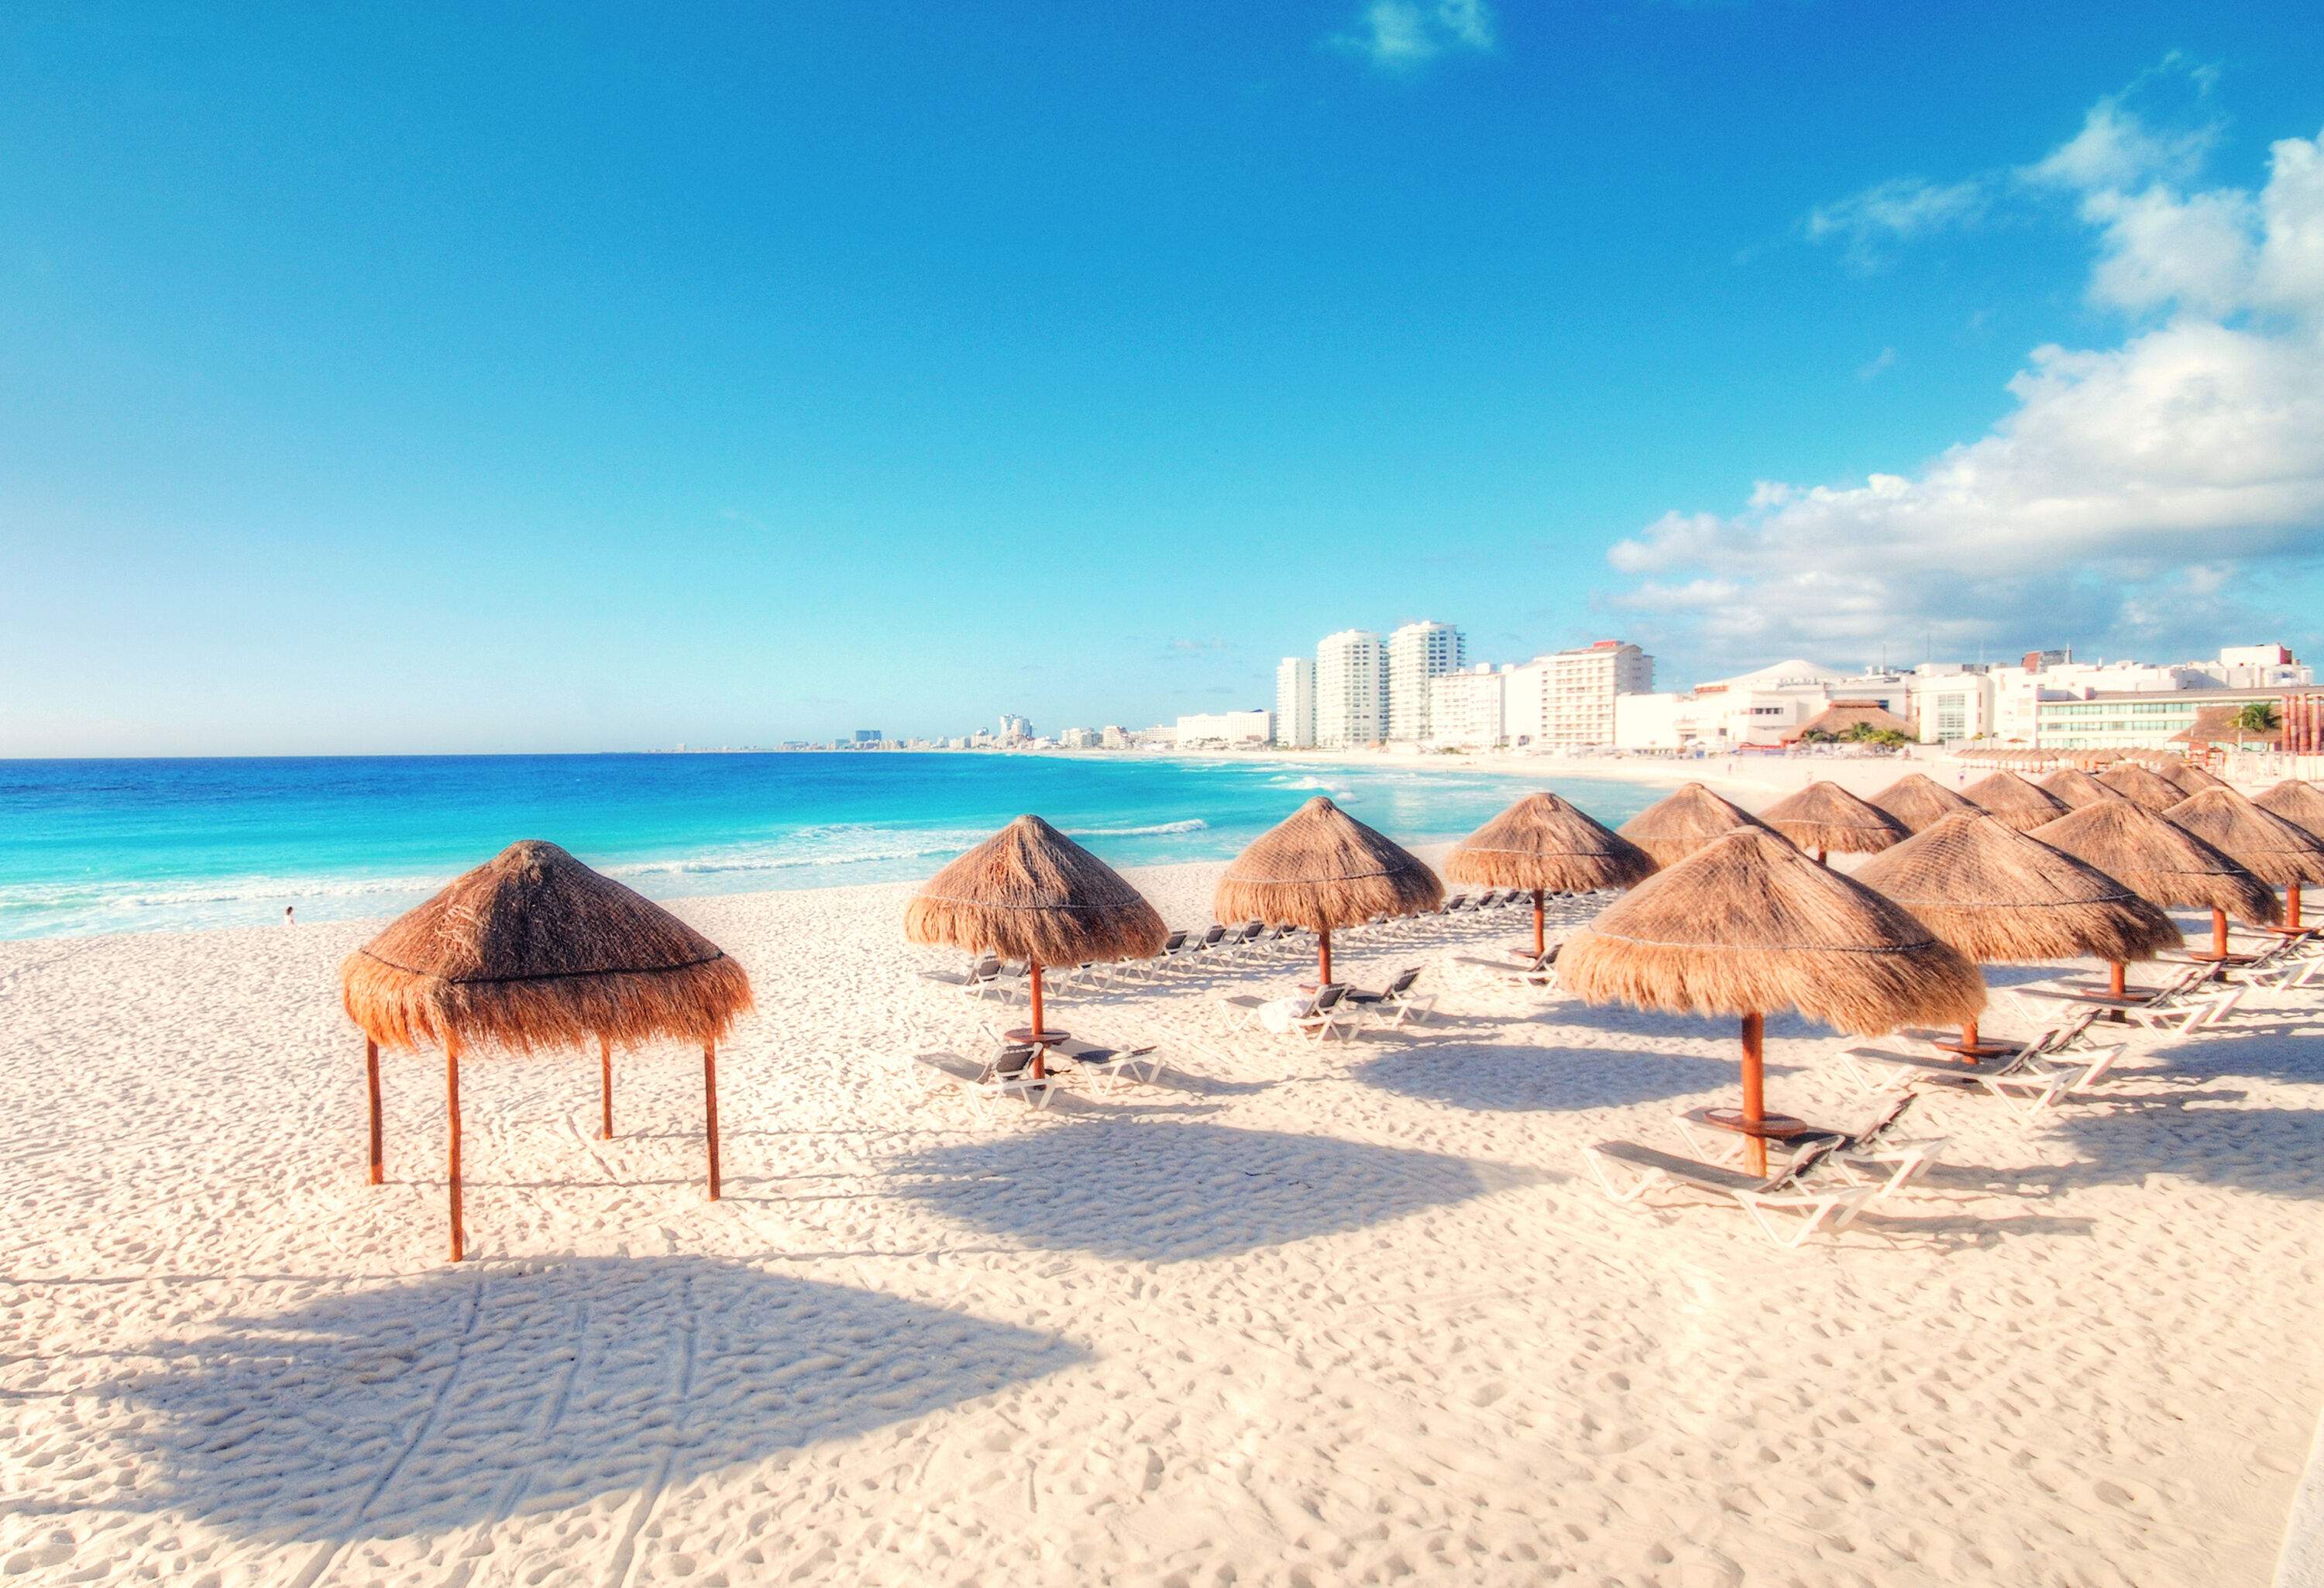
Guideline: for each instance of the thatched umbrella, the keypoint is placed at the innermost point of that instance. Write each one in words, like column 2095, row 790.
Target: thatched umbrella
column 1320, row 868
column 2015, row 800
column 2073, row 787
column 2141, row 786
column 1918, row 801
column 2002, row 898
column 1824, row 816
column 534, row 949
column 1677, row 825
column 2163, row 863
column 1544, row 846
column 1029, row 892
column 2301, row 805
column 1750, row 924
column 2279, row 852
column 2187, row 775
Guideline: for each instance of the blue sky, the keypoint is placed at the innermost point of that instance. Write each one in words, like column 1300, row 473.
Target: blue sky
column 389, row 379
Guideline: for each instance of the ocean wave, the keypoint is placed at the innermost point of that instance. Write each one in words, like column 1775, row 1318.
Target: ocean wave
column 1196, row 825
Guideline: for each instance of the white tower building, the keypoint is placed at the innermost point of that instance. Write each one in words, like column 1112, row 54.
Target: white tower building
column 1418, row 652
column 1351, row 689
column 1295, row 702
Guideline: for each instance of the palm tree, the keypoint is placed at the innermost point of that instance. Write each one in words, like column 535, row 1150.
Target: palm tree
column 2258, row 718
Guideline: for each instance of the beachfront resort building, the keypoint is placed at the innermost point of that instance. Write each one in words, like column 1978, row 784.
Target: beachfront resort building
column 1295, row 702
column 1418, row 652
column 1351, row 689
column 1468, row 709
column 1014, row 729
column 1565, row 700
column 1078, row 738
column 1232, row 730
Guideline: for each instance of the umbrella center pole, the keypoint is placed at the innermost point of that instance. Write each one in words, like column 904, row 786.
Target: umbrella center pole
column 605, row 1087
column 371, row 1081
column 1755, row 1090
column 452, row 1146
column 1033, row 969
column 2219, row 933
column 710, row 1108
column 1540, row 924
column 2291, row 905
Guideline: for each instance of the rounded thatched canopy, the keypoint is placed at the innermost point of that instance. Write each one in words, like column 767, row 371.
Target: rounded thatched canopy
column 1679, row 824
column 2301, row 804
column 2002, row 898
column 2186, row 775
column 2131, row 781
column 1029, row 892
column 2277, row 852
column 1918, row 801
column 1751, row 925
column 1544, row 844
column 534, row 949
column 2015, row 800
column 2159, row 860
column 1824, row 816
column 1320, row 868
column 2073, row 787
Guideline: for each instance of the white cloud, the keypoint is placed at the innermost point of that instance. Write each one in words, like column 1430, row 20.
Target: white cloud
column 2133, row 493
column 1879, row 364
column 1403, row 34
column 1895, row 211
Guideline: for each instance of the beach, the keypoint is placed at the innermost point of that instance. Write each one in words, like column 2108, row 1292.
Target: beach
column 1293, row 1313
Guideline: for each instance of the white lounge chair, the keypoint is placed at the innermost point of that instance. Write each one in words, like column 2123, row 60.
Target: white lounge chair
column 1108, row 1068
column 1770, row 1202
column 1398, row 995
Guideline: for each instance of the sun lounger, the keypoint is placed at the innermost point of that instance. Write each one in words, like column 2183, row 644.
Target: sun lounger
column 1398, row 995
column 1770, row 1202
column 1008, row 1073
column 1533, row 971
column 1109, row 1065
column 2029, row 1084
column 1873, row 1156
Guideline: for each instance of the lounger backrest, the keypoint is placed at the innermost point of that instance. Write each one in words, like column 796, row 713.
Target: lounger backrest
column 1214, row 935
column 1814, row 1153
column 989, row 966
column 1890, row 1120
column 1402, row 984
column 1327, row 997
column 1174, row 942
column 1013, row 1061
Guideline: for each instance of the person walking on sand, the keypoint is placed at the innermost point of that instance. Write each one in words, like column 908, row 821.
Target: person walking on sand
column 289, row 915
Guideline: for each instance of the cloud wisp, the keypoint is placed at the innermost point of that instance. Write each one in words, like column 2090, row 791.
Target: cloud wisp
column 2133, row 494
column 1398, row 35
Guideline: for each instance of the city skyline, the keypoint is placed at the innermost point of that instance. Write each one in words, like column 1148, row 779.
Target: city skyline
column 397, row 383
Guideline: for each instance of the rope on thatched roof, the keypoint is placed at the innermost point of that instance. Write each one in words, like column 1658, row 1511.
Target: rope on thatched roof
column 1542, row 843
column 534, row 949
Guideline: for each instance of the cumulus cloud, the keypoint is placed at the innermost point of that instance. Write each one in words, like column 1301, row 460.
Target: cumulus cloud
column 2133, row 493
column 1400, row 35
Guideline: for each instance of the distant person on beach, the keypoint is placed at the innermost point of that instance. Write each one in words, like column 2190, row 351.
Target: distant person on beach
column 290, row 918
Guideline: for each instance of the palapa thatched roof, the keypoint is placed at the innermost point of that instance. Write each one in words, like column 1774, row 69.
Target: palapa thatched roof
column 2002, row 898
column 1029, row 892
column 1542, row 843
column 1824, row 816
column 2159, row 860
column 1679, row 824
column 2073, row 787
column 2015, row 800
column 2301, row 804
column 1320, row 868
column 2221, row 725
column 534, row 949
column 1750, row 924
column 2186, row 775
column 2277, row 852
column 1918, row 801
column 1841, row 716
column 2142, row 786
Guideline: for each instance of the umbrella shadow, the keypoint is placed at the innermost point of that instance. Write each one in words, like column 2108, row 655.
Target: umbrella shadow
column 1516, row 1080
column 1172, row 1192
column 2276, row 1151
column 469, row 1395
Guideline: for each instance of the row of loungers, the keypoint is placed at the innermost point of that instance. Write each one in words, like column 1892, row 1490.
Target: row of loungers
column 1830, row 1177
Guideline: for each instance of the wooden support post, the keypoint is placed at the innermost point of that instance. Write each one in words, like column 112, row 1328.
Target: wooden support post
column 371, row 1079
column 2116, row 984
column 1040, row 1067
column 710, row 1108
column 1324, row 966
column 1754, row 1089
column 2219, row 933
column 1540, row 926
column 452, row 1147
column 2291, row 905
column 605, row 1085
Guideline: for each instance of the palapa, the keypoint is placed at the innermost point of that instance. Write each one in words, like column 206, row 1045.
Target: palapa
column 1683, row 821
column 2142, row 786
column 2163, row 863
column 2073, row 787
column 534, row 949
column 2002, row 898
column 2015, row 801
column 1750, row 924
column 2279, row 852
column 1918, row 801
column 2186, row 775
column 1827, row 818
column 1320, row 868
column 1029, row 892
column 2301, row 805
column 1546, row 845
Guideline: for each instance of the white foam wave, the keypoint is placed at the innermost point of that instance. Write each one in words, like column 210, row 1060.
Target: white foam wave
column 1156, row 830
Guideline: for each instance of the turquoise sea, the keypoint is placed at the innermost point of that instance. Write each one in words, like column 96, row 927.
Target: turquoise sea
column 131, row 845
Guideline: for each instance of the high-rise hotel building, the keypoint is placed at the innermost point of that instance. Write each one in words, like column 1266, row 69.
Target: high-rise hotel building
column 1418, row 652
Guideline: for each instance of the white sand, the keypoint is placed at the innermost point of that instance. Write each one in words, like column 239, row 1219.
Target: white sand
column 1296, row 1316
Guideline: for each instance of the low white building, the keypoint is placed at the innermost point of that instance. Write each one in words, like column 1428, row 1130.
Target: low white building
column 1468, row 709
column 1078, row 738
column 1566, row 699
column 1114, row 736
column 1229, row 728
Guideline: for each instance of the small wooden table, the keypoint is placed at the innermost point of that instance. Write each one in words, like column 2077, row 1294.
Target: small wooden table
column 1775, row 1127
column 1041, row 1042
column 1971, row 1055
